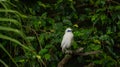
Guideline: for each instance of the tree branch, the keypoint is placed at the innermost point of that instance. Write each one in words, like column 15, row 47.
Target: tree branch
column 70, row 53
column 64, row 60
column 90, row 53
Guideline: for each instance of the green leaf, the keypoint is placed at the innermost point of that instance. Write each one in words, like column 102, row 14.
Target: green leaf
column 67, row 21
column 59, row 1
column 8, row 54
column 97, row 41
column 38, row 56
column 107, row 39
column 75, row 45
column 118, row 24
column 41, row 4
column 98, row 61
column 30, row 38
column 44, row 15
column 41, row 39
column 48, row 46
column 94, row 17
column 103, row 17
column 14, row 12
column 83, row 33
column 13, row 30
column 8, row 20
column 111, row 51
column 50, row 20
column 47, row 56
column 95, row 47
column 14, row 40
column 117, row 7
column 1, row 61
column 20, row 59
column 104, row 37
column 43, row 51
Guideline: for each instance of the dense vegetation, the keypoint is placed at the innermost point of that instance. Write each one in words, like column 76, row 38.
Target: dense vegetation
column 31, row 32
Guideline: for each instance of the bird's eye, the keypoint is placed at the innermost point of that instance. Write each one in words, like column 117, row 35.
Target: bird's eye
column 69, row 30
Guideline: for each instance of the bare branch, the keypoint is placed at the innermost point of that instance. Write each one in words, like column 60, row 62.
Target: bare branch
column 70, row 53
column 64, row 60
column 89, row 53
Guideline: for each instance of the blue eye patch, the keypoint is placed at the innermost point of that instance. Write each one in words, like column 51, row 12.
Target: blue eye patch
column 69, row 31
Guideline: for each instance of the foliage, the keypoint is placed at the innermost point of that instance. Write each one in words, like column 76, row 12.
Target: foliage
column 31, row 31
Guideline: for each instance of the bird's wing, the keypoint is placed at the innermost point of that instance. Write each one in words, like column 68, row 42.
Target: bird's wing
column 65, row 37
column 63, row 41
column 66, row 42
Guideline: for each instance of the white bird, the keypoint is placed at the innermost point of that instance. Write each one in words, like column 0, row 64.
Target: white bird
column 67, row 39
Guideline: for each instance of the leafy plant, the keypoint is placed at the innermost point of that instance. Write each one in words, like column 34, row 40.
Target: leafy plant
column 31, row 32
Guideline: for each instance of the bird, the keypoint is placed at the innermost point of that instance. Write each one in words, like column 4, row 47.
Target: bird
column 67, row 40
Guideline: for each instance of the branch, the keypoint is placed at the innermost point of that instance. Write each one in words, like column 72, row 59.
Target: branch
column 64, row 60
column 70, row 53
column 90, row 53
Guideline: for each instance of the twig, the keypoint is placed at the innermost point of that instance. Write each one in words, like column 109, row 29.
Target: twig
column 37, row 38
column 36, row 35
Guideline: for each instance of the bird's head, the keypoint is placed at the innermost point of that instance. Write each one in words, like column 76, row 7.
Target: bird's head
column 68, row 30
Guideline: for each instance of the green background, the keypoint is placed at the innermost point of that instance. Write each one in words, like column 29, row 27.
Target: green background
column 31, row 32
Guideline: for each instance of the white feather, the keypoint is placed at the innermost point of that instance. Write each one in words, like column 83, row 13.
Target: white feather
column 67, row 40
